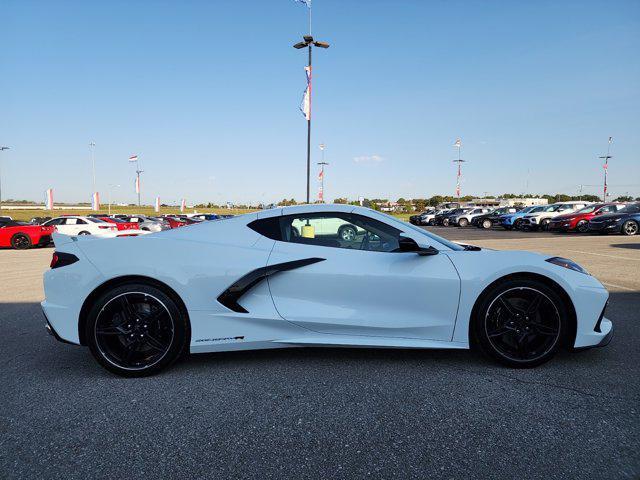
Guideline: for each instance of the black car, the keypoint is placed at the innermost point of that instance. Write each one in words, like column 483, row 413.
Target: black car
column 493, row 218
column 625, row 221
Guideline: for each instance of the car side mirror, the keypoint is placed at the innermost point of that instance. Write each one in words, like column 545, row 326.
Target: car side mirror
column 408, row 244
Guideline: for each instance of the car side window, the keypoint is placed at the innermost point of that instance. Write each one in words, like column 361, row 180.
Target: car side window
column 339, row 230
column 70, row 221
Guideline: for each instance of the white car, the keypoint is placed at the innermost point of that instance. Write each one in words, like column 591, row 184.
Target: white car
column 76, row 225
column 251, row 282
column 541, row 219
column 465, row 218
column 427, row 218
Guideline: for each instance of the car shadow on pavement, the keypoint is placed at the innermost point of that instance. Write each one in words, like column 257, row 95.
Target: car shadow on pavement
column 630, row 246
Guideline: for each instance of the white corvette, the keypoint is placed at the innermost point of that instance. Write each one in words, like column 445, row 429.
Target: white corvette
column 287, row 278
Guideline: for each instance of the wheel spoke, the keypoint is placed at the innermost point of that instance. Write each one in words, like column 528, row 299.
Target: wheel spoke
column 127, row 308
column 153, row 342
column 508, row 306
column 111, row 330
column 544, row 329
column 534, row 305
column 499, row 332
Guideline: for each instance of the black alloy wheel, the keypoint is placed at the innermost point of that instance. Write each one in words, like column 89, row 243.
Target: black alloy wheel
column 521, row 323
column 582, row 226
column 21, row 241
column 517, row 223
column 136, row 330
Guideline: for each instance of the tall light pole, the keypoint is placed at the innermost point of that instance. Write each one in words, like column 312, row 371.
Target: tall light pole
column 2, row 149
column 322, row 164
column 92, row 146
column 111, row 186
column 308, row 41
column 459, row 161
column 606, row 168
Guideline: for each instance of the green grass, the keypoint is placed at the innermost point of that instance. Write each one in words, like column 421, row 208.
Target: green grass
column 26, row 215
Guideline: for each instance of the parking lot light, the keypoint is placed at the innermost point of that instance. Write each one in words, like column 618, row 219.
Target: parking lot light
column 1, row 150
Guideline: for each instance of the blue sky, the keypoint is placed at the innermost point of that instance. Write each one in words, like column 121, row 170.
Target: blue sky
column 207, row 94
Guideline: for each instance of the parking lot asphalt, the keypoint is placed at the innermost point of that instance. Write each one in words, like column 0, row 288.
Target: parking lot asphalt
column 326, row 413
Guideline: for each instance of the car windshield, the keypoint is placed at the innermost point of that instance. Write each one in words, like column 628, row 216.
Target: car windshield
column 589, row 209
column 551, row 208
column 633, row 208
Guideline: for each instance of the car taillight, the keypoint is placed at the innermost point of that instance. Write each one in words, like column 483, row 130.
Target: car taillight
column 61, row 259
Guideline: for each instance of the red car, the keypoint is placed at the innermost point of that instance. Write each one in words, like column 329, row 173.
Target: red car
column 121, row 224
column 175, row 222
column 20, row 235
column 579, row 220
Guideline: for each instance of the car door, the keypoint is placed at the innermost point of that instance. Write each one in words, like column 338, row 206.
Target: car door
column 360, row 285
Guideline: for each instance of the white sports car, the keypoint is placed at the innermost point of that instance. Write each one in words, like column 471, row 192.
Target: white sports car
column 287, row 278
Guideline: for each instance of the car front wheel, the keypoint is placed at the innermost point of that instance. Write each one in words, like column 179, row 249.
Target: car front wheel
column 520, row 323
column 136, row 330
column 630, row 228
column 582, row 226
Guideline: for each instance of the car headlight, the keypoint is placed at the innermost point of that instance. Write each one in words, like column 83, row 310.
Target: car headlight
column 566, row 263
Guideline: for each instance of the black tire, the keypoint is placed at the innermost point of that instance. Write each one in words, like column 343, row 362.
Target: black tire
column 500, row 329
column 136, row 330
column 463, row 222
column 84, row 232
column 544, row 224
column 348, row 233
column 517, row 223
column 630, row 227
column 487, row 224
column 431, row 222
column 146, row 229
column 21, row 241
column 445, row 222
column 582, row 226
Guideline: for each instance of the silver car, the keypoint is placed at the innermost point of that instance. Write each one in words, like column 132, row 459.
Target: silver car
column 150, row 224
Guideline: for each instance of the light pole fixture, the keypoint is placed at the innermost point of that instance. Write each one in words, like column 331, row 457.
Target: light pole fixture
column 308, row 42
column 2, row 149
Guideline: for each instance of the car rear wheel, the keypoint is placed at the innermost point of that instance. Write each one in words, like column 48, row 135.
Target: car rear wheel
column 486, row 224
column 463, row 222
column 136, row 330
column 630, row 227
column 582, row 226
column 84, row 232
column 445, row 222
column 21, row 241
column 520, row 323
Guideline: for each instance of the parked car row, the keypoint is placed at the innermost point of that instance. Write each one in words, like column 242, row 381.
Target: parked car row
column 574, row 216
column 23, row 235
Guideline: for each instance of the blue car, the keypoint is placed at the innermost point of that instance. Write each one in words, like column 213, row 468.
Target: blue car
column 625, row 221
column 512, row 220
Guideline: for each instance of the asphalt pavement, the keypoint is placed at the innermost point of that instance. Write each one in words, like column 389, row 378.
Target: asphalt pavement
column 325, row 413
